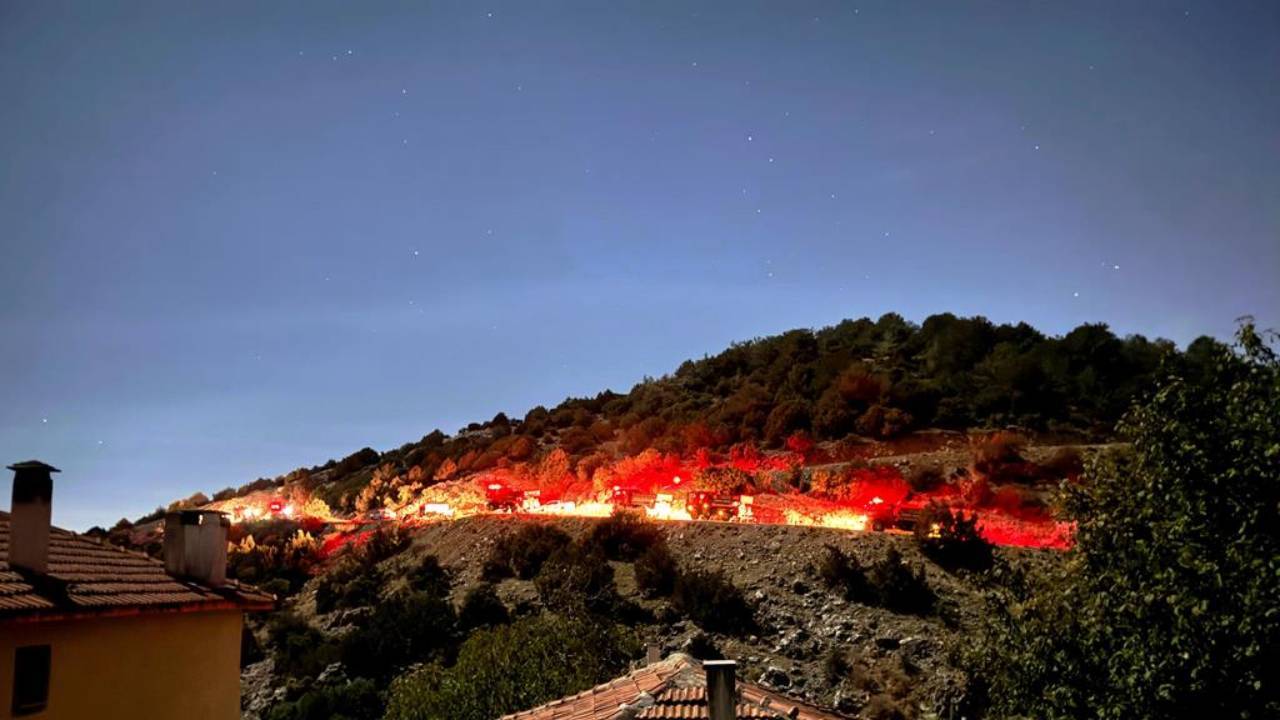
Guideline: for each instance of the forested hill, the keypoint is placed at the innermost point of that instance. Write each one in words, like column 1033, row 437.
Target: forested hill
column 858, row 379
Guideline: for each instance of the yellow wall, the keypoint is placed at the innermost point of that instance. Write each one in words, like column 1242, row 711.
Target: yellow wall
column 172, row 665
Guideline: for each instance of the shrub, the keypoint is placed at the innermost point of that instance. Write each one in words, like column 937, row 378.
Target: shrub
column 358, row 699
column 514, row 667
column 404, row 629
column 900, row 587
column 841, row 571
column 523, row 552
column 624, row 535
column 702, row 647
column 482, row 608
column 574, row 581
column 714, row 603
column 951, row 539
column 299, row 649
column 925, row 479
column 995, row 450
column 656, row 571
column 383, row 543
column 347, row 584
column 723, row 480
column 429, row 577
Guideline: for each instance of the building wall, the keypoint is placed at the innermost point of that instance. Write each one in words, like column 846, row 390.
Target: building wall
column 170, row 665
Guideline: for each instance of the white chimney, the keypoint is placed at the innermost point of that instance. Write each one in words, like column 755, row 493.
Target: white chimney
column 29, row 515
column 722, row 691
column 195, row 546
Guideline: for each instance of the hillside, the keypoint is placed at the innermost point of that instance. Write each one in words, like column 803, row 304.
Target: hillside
column 957, row 431
column 834, row 390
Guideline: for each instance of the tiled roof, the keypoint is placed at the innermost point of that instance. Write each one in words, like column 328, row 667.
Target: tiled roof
column 672, row 689
column 86, row 577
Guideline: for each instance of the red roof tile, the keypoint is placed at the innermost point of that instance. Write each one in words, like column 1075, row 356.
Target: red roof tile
column 86, row 576
column 672, row 689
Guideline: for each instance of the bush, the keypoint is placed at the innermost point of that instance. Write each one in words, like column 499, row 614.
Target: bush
column 624, row 535
column 347, row 584
column 522, row 553
column 702, row 647
column 952, row 540
column 841, row 571
column 406, row 628
column 355, row 700
column 656, row 571
column 714, row 603
column 482, row 608
column 514, row 667
column 574, row 581
column 925, row 479
column 429, row 577
column 299, row 650
column 900, row 587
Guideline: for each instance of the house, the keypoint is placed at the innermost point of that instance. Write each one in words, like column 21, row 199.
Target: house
column 675, row 688
column 88, row 630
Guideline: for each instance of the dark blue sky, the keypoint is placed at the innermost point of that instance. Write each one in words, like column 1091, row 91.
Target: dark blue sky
column 239, row 239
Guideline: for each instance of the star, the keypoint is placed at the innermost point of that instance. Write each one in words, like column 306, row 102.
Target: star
column 404, row 91
column 44, row 421
column 1115, row 267
column 770, row 159
column 348, row 52
column 489, row 15
column 415, row 253
column 750, row 138
column 1037, row 147
column 1075, row 294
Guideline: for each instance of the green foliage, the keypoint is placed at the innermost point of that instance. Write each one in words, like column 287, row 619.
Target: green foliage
column 713, row 602
column 1167, row 606
column 901, row 587
column 522, row 553
column 656, row 571
column 358, row 699
column 348, row 583
column 514, row 667
column 429, row 577
column 575, row 581
column 624, row 535
column 951, row 539
column 299, row 650
column 890, row 582
column 482, row 608
column 406, row 628
column 842, row 572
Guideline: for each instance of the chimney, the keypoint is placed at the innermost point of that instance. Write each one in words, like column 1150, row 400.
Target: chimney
column 29, row 515
column 652, row 654
column 195, row 546
column 722, row 691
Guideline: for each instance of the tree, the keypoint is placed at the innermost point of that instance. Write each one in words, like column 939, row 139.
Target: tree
column 1167, row 605
column 513, row 667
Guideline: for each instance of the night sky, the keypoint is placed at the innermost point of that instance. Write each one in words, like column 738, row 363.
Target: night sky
column 246, row 237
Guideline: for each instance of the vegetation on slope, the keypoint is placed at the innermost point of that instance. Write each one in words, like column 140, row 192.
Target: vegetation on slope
column 1167, row 607
column 865, row 378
